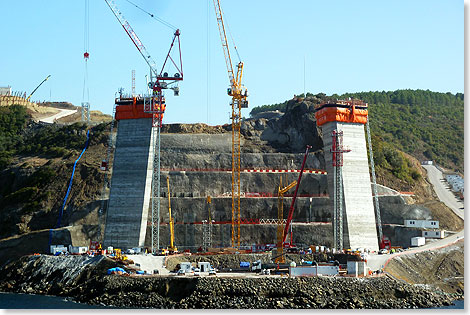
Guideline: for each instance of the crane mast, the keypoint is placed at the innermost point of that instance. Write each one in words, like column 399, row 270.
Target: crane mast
column 239, row 100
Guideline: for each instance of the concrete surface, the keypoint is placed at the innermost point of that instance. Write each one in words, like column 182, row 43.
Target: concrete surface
column 131, row 183
column 359, row 215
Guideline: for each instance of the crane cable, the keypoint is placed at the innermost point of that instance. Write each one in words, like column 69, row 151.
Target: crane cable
column 156, row 18
column 86, row 44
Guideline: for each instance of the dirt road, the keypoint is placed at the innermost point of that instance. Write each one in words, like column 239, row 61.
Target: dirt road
column 443, row 191
column 60, row 114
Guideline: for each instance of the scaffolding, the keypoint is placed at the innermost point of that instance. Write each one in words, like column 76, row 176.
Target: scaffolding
column 105, row 166
column 338, row 150
column 374, row 183
column 207, row 227
column 157, row 108
column 86, row 112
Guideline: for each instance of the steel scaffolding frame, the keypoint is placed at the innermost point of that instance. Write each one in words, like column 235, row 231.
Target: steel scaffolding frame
column 338, row 150
column 374, row 183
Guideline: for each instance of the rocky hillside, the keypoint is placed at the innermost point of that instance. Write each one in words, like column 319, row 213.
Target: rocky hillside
column 36, row 163
column 443, row 268
column 428, row 125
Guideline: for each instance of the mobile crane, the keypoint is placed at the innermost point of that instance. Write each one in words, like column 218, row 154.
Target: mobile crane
column 283, row 244
column 239, row 96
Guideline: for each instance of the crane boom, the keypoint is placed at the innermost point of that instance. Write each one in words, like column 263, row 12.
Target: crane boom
column 291, row 209
column 223, row 38
column 133, row 36
column 38, row 87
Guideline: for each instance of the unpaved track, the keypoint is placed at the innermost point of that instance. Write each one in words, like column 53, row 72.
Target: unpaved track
column 60, row 114
column 443, row 191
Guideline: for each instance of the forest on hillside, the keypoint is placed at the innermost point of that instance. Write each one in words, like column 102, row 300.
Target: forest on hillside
column 427, row 125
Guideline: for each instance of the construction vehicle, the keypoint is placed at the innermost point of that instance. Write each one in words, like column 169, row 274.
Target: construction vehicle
column 38, row 87
column 239, row 96
column 280, row 216
column 117, row 253
column 284, row 245
column 172, row 248
column 385, row 243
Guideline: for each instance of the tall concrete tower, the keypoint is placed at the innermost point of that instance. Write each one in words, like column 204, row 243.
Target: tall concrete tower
column 131, row 183
column 349, row 117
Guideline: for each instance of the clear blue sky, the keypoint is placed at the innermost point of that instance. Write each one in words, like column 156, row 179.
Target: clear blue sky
column 348, row 46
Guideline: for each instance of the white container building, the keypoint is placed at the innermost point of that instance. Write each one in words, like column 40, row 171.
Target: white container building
column 433, row 234
column 306, row 271
column 425, row 224
column 418, row 241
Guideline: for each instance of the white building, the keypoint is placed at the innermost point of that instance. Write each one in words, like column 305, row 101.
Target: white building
column 433, row 234
column 5, row 90
column 418, row 241
column 425, row 224
column 456, row 182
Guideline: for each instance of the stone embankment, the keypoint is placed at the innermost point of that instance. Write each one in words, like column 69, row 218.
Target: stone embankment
column 85, row 280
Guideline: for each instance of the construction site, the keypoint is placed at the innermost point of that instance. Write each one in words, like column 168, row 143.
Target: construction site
column 278, row 195
column 316, row 195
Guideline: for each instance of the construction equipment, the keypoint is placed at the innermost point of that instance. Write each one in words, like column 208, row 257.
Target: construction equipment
column 38, row 87
column 154, row 104
column 171, row 249
column 239, row 96
column 291, row 209
column 280, row 216
column 337, row 149
column 207, row 227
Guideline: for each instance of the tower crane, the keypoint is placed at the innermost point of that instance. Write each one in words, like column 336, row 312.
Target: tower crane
column 239, row 96
column 159, row 80
column 154, row 104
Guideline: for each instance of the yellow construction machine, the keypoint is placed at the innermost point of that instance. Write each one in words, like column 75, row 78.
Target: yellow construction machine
column 280, row 215
column 172, row 248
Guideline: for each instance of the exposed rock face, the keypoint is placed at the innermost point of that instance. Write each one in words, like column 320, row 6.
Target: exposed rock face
column 84, row 280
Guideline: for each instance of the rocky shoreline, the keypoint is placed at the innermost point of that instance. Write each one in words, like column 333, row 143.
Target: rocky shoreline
column 84, row 280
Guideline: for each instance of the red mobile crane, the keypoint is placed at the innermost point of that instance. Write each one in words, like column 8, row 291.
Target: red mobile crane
column 291, row 209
